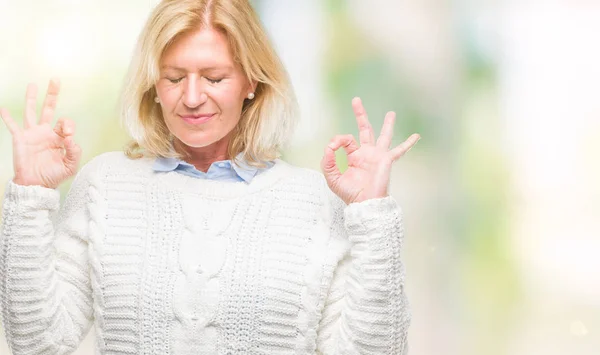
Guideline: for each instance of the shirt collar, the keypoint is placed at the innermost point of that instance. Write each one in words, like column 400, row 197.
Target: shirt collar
column 245, row 171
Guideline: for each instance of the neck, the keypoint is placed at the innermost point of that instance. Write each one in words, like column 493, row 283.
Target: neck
column 203, row 157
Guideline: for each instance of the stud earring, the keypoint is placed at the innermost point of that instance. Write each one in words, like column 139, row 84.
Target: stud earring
column 251, row 96
column 157, row 100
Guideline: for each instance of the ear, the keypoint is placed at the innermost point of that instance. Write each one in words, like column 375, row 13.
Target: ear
column 253, row 86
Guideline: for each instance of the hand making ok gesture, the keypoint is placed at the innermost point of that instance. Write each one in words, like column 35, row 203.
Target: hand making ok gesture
column 42, row 155
column 369, row 165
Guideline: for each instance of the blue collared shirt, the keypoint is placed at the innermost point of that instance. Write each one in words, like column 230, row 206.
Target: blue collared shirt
column 223, row 170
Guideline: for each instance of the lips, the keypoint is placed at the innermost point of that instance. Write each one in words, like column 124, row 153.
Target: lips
column 197, row 119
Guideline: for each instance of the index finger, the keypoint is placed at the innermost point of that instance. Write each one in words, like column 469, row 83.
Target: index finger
column 10, row 123
column 50, row 101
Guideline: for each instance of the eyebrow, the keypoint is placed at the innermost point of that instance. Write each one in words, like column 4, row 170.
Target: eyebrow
column 228, row 67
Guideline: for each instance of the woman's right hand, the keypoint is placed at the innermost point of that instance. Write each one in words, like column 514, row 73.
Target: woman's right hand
column 42, row 155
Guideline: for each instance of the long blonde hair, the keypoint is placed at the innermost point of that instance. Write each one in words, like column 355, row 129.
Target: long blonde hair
column 266, row 122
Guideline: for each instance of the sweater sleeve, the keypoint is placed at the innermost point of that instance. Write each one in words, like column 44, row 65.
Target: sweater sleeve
column 45, row 290
column 366, row 310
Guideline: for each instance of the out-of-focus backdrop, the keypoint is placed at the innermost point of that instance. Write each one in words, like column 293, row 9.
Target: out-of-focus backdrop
column 502, row 194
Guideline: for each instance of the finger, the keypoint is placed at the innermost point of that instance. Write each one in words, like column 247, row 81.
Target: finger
column 72, row 155
column 50, row 101
column 346, row 141
column 68, row 127
column 405, row 146
column 64, row 127
column 58, row 127
column 9, row 122
column 366, row 135
column 329, row 166
column 30, row 102
column 387, row 131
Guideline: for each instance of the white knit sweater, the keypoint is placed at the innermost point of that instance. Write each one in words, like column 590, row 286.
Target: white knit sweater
column 162, row 263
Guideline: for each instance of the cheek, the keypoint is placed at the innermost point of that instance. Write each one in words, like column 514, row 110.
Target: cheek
column 169, row 97
column 228, row 98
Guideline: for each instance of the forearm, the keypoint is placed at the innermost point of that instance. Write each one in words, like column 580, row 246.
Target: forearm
column 42, row 311
column 367, row 310
column 377, row 309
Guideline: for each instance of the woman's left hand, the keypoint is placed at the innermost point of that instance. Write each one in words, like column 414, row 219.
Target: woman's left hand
column 369, row 165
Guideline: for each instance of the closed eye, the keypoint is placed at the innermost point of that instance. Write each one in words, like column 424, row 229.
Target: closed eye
column 213, row 81
column 175, row 81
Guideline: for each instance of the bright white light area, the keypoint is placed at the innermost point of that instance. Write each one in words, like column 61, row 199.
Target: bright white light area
column 68, row 47
column 550, row 85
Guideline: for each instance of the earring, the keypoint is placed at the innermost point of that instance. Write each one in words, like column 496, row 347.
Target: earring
column 251, row 96
column 157, row 100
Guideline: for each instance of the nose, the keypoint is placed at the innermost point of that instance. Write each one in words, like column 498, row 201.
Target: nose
column 193, row 94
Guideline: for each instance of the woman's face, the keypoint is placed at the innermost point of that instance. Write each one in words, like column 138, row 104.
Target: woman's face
column 201, row 89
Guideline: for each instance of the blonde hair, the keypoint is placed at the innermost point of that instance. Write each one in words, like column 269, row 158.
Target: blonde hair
column 266, row 122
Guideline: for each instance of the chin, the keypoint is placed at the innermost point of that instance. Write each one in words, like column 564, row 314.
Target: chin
column 197, row 143
column 198, row 139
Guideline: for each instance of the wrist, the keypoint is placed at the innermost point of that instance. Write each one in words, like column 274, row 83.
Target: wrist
column 18, row 180
column 360, row 199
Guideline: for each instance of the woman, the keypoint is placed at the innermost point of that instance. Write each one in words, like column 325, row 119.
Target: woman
column 199, row 240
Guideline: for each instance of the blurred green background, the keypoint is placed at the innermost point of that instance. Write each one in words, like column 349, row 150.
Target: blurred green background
column 502, row 194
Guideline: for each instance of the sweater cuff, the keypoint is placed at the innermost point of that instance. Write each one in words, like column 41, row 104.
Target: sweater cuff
column 365, row 217
column 34, row 197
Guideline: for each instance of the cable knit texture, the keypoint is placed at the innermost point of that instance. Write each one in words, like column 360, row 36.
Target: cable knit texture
column 163, row 263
